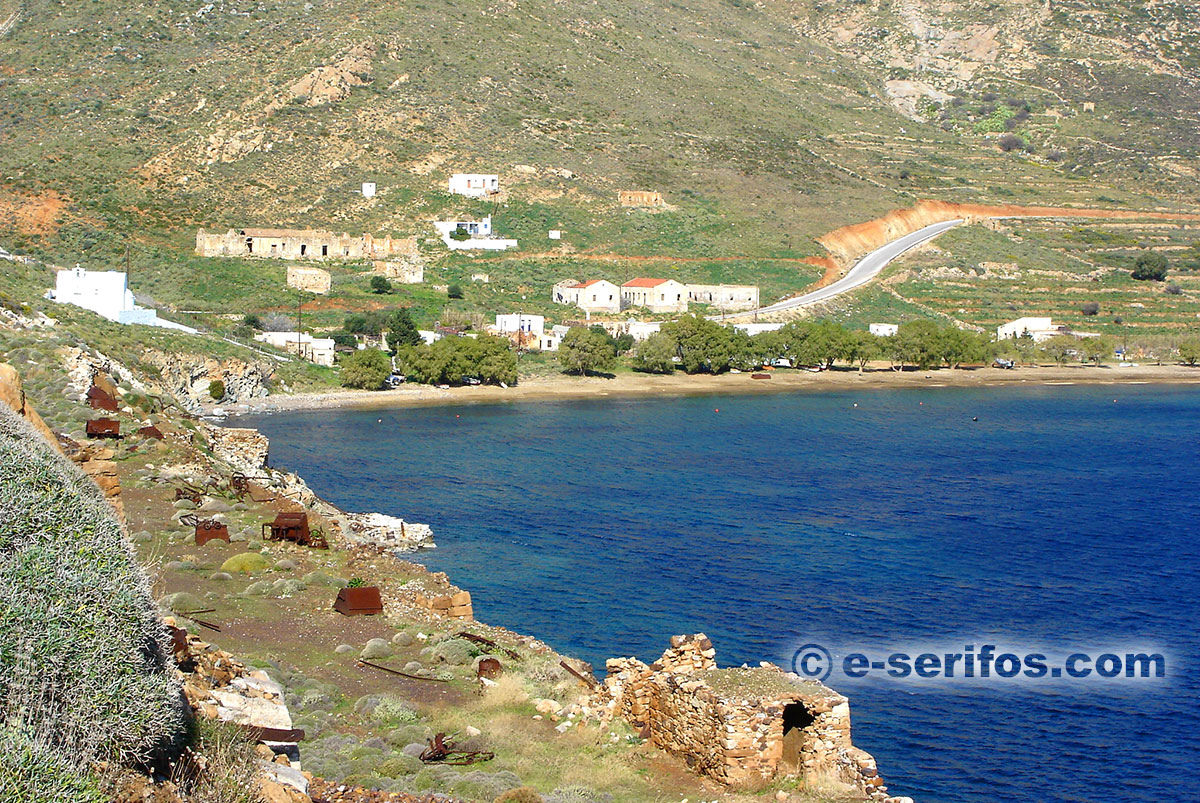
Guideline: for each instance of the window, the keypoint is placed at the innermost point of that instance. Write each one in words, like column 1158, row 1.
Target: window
column 303, row 249
column 324, row 250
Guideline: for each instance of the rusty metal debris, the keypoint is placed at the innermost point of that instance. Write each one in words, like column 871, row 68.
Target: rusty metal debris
column 442, row 750
column 590, row 681
column 294, row 527
column 206, row 529
column 151, row 432
column 100, row 399
column 192, row 615
column 489, row 668
column 364, row 662
column 103, row 428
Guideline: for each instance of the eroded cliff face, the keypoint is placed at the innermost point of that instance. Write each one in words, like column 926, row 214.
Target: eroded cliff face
column 187, row 377
column 850, row 242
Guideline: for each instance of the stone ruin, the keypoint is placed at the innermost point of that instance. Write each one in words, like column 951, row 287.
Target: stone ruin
column 740, row 726
column 303, row 244
column 640, row 198
column 309, row 280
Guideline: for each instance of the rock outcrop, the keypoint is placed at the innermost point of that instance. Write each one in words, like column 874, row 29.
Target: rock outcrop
column 187, row 377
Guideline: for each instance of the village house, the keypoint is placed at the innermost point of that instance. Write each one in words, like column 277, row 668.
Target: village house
column 479, row 235
column 319, row 350
column 1037, row 328
column 529, row 331
column 883, row 329
column 655, row 295
column 597, row 295
column 724, row 296
column 474, row 185
column 640, row 198
column 406, row 271
column 106, row 293
column 303, row 244
column 638, row 330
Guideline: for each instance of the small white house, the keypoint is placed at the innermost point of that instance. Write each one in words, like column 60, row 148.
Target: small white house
column 480, row 235
column 519, row 322
column 474, row 185
column 319, row 350
column 555, row 234
column 368, row 189
column 429, row 337
column 596, row 295
column 1037, row 328
column 106, row 293
column 550, row 341
column 884, row 329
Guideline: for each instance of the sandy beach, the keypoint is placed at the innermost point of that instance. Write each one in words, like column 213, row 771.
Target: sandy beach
column 561, row 387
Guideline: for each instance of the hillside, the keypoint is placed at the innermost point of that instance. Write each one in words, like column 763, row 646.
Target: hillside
column 130, row 125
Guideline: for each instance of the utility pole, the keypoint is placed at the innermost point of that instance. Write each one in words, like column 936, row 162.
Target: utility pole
column 299, row 321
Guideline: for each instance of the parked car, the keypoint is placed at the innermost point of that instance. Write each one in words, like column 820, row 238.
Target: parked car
column 396, row 380
column 1000, row 362
column 470, row 380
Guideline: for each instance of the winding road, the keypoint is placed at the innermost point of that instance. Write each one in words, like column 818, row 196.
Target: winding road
column 863, row 271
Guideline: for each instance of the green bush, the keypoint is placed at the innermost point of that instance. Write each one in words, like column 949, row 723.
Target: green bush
column 84, row 666
column 216, row 389
column 367, row 369
column 245, row 563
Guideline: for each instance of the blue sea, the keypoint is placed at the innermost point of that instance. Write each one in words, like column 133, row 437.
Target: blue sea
column 1050, row 519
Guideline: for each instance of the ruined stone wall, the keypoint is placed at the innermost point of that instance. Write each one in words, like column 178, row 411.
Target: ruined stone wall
column 410, row 270
column 301, row 244
column 640, row 198
column 730, row 724
column 309, row 280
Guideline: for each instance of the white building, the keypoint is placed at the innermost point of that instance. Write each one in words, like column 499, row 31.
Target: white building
column 314, row 349
column 479, row 235
column 474, row 185
column 368, row 189
column 106, row 293
column 1037, row 328
column 550, row 341
column 519, row 322
column 656, row 295
column 429, row 337
column 884, row 329
column 753, row 329
column 597, row 295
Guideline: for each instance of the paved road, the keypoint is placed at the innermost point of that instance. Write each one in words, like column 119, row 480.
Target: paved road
column 863, row 271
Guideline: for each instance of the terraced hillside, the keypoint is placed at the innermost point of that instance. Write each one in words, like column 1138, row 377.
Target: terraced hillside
column 128, row 125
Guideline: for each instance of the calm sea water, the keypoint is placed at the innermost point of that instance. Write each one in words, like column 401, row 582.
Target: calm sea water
column 1064, row 517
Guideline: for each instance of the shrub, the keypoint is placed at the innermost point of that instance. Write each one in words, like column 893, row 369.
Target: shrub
column 1011, row 142
column 454, row 291
column 380, row 285
column 522, row 794
column 278, row 323
column 1150, row 266
column 252, row 320
column 460, row 234
column 88, row 680
column 216, row 389
column 368, row 369
column 1090, row 308
column 1173, row 289
column 245, row 563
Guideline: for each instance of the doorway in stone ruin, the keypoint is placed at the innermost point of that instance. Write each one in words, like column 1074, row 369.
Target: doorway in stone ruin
column 796, row 737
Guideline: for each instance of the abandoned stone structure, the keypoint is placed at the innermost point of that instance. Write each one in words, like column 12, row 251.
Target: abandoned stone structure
column 724, row 296
column 640, row 198
column 309, row 280
column 299, row 244
column 407, row 271
column 741, row 726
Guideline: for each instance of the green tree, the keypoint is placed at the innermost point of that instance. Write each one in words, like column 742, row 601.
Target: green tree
column 402, row 331
column 368, row 369
column 703, row 346
column 1095, row 349
column 368, row 323
column 1189, row 350
column 380, row 285
column 216, row 389
column 859, row 347
column 1060, row 348
column 450, row 359
column 585, row 351
column 252, row 320
column 1150, row 266
column 454, row 291
column 655, row 355
column 955, row 346
column 916, row 342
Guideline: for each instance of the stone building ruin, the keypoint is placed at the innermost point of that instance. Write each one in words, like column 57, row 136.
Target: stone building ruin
column 303, row 244
column 640, row 198
column 740, row 726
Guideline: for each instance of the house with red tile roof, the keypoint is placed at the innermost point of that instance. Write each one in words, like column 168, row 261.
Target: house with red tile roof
column 655, row 295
